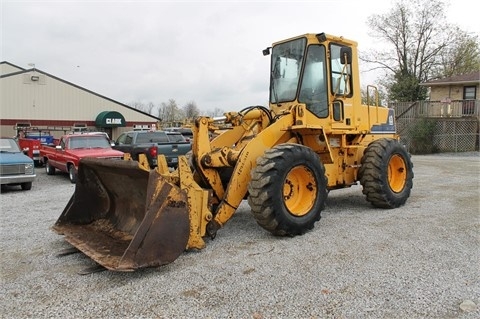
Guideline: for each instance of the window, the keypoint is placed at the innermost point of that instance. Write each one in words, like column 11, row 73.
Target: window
column 176, row 137
column 340, row 73
column 128, row 138
column 469, row 96
column 75, row 143
column 79, row 127
column 22, row 125
column 89, row 141
column 285, row 70
column 469, row 93
column 313, row 91
column 152, row 137
column 121, row 138
column 9, row 145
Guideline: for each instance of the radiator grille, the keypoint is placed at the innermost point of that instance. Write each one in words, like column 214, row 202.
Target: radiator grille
column 16, row 169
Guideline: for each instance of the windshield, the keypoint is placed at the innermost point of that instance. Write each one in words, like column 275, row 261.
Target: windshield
column 8, row 145
column 152, row 137
column 286, row 67
column 176, row 138
column 89, row 142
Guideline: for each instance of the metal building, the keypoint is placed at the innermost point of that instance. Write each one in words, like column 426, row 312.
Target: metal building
column 35, row 100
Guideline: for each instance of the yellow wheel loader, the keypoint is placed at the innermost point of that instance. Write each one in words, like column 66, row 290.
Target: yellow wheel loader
column 316, row 136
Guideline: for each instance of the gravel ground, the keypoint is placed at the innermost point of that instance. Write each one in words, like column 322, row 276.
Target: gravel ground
column 418, row 261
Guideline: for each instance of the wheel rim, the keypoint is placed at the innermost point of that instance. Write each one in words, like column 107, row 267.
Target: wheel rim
column 397, row 173
column 299, row 191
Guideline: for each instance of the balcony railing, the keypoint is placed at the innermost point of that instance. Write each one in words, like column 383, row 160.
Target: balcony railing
column 452, row 109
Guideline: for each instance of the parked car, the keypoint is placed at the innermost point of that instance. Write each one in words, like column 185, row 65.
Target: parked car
column 152, row 143
column 30, row 147
column 65, row 155
column 185, row 131
column 16, row 168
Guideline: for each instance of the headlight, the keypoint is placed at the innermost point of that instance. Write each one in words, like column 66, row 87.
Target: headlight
column 28, row 169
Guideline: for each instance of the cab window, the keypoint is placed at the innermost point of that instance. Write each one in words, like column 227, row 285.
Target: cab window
column 340, row 72
column 313, row 90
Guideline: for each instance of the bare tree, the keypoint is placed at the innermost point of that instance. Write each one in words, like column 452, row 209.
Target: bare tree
column 216, row 112
column 415, row 33
column 149, row 108
column 169, row 112
column 190, row 110
column 137, row 105
column 462, row 55
column 146, row 108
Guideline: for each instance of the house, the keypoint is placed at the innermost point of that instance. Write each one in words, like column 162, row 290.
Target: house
column 449, row 121
column 455, row 96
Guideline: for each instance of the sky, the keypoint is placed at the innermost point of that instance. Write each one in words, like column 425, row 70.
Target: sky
column 207, row 52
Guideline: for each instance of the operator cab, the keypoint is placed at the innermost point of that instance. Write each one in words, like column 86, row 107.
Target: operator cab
column 301, row 70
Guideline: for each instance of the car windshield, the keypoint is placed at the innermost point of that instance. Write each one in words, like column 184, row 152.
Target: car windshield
column 9, row 145
column 176, row 137
column 152, row 137
column 89, row 142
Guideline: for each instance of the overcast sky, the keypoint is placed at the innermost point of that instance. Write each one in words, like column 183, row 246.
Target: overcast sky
column 208, row 52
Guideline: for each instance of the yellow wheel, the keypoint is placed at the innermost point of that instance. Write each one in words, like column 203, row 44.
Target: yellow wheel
column 397, row 173
column 386, row 173
column 288, row 189
column 298, row 188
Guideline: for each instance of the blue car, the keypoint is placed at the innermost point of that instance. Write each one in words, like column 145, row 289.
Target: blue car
column 16, row 168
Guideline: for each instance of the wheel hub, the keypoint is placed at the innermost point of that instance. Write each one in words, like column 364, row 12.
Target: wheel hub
column 397, row 173
column 299, row 190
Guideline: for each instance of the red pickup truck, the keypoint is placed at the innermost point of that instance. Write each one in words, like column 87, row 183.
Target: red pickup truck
column 67, row 152
column 32, row 148
column 30, row 141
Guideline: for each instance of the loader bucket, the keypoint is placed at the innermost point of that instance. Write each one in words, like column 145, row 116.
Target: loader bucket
column 125, row 217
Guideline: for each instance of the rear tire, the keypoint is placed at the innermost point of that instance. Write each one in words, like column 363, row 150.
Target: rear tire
column 386, row 173
column 288, row 190
column 49, row 168
column 26, row 186
column 72, row 175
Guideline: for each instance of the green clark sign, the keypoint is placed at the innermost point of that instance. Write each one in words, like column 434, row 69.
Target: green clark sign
column 110, row 119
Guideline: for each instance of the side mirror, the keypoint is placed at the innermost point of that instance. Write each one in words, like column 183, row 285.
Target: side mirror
column 346, row 55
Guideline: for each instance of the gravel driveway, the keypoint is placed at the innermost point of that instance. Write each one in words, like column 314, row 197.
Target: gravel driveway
column 418, row 261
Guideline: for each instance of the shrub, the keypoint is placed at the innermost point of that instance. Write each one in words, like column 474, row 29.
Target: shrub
column 422, row 137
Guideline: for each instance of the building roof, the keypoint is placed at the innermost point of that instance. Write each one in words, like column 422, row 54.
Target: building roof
column 469, row 78
column 22, row 70
column 13, row 66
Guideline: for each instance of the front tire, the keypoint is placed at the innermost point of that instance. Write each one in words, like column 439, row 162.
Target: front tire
column 72, row 175
column 49, row 168
column 386, row 173
column 26, row 186
column 288, row 190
